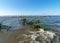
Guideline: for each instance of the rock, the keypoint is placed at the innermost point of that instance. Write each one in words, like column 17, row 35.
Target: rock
column 50, row 34
column 41, row 37
column 41, row 30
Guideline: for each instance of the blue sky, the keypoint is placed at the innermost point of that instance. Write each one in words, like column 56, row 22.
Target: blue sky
column 29, row 7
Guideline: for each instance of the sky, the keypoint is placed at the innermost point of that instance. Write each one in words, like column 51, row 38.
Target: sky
column 29, row 7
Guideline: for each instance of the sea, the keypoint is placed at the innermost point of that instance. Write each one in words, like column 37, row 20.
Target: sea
column 52, row 22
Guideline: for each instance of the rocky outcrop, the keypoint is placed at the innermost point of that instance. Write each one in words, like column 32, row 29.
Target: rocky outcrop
column 40, row 37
